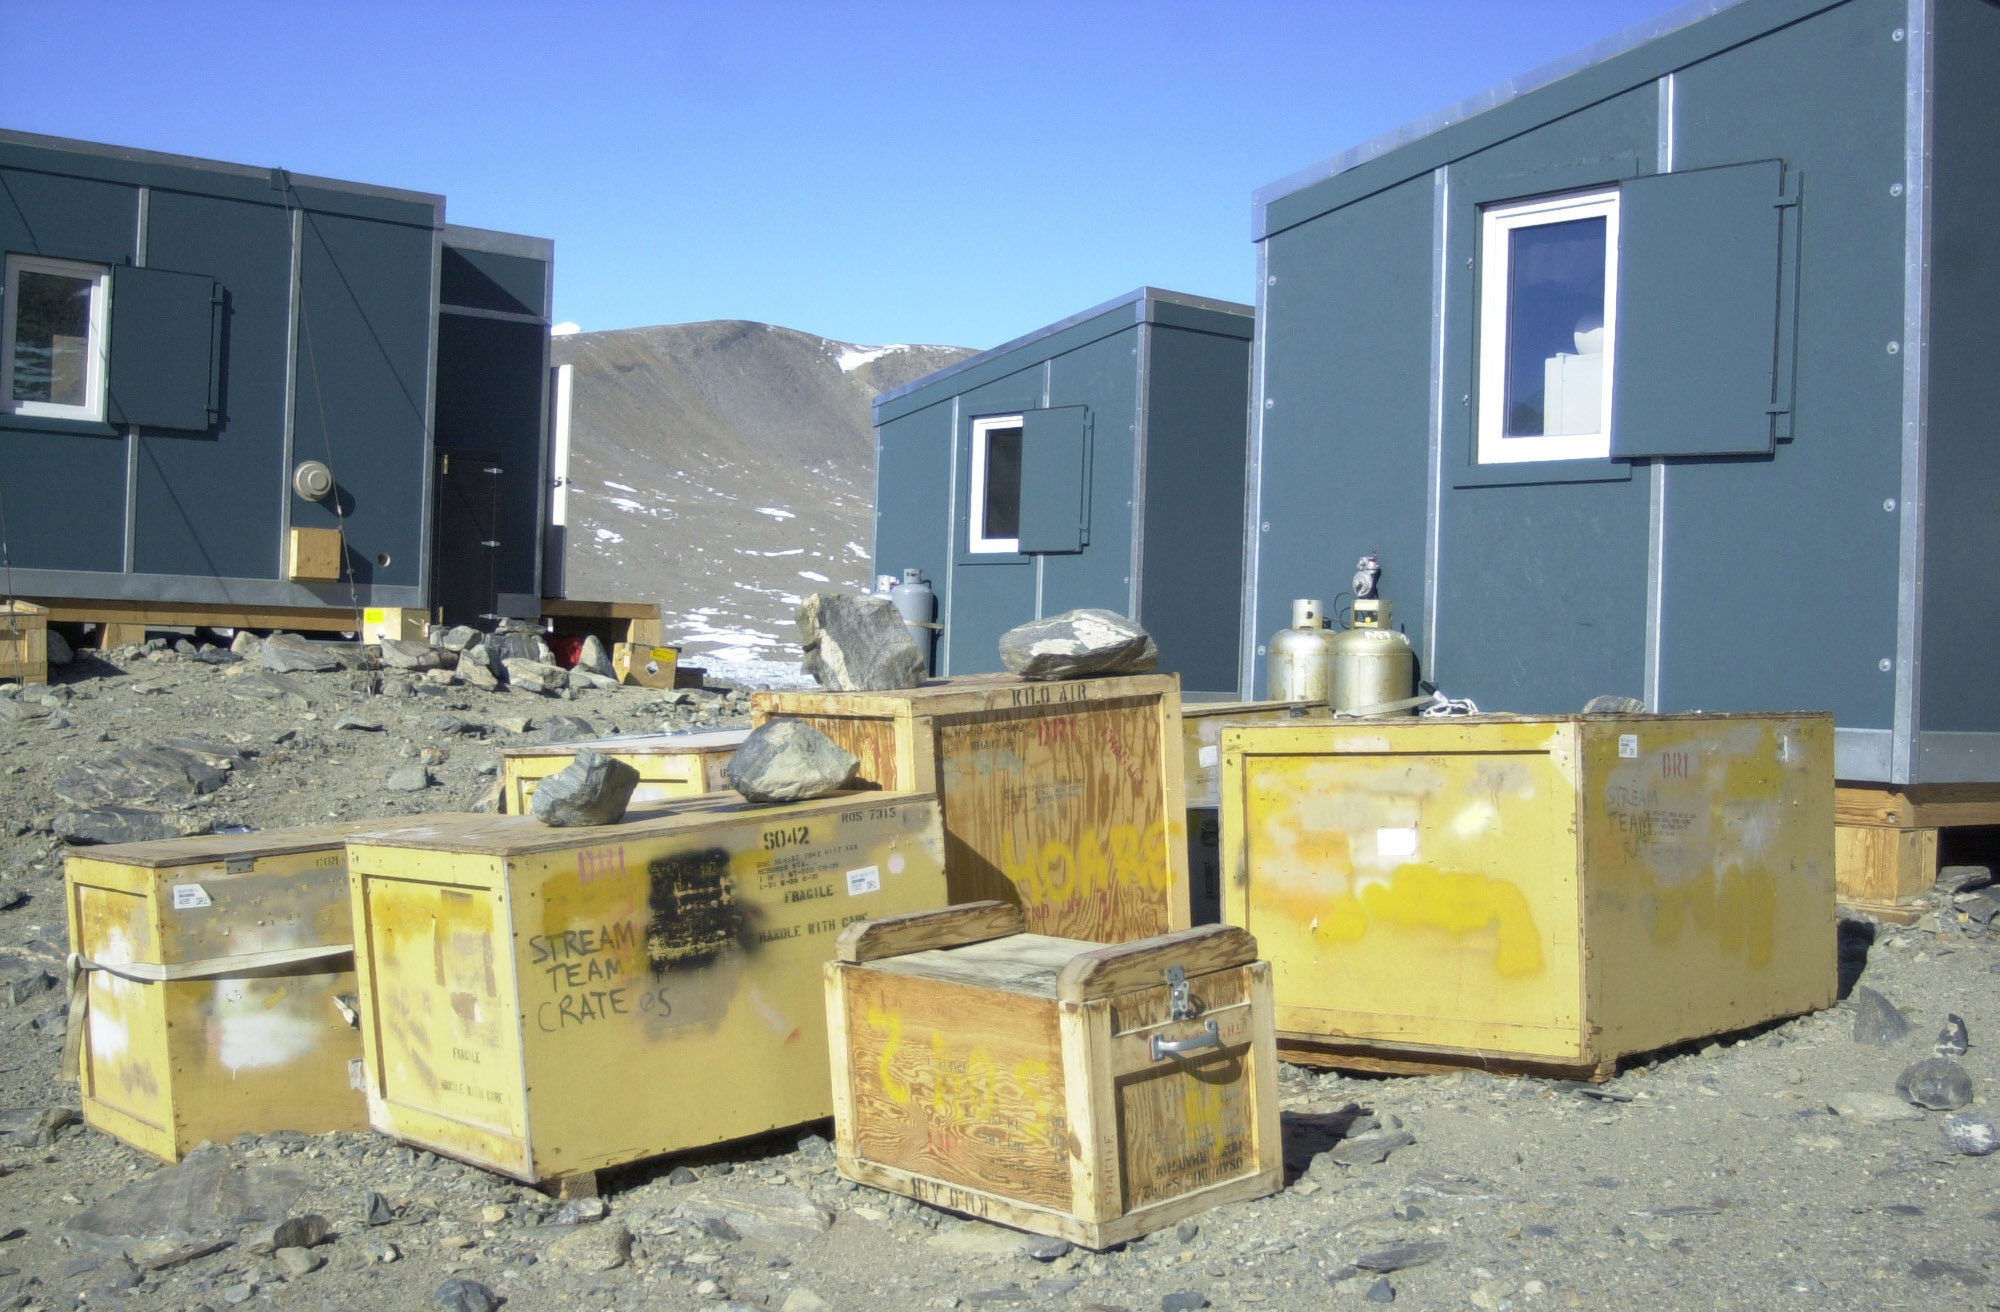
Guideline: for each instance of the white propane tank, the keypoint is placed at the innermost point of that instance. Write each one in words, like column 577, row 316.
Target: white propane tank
column 916, row 603
column 1299, row 664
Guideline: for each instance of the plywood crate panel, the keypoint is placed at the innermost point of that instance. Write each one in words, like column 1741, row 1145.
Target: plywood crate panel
column 670, row 765
column 1062, row 797
column 1202, row 723
column 215, row 1014
column 1554, row 891
column 548, row 1002
column 1886, row 853
column 24, row 641
column 1019, row 1077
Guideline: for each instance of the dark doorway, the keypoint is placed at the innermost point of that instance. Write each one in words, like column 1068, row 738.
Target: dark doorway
column 468, row 545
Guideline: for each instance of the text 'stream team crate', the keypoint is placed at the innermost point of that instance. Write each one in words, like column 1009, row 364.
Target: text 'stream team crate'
column 216, row 984
column 1089, row 1092
column 548, row 1002
column 1063, row 797
column 1202, row 723
column 670, row 765
column 1557, row 891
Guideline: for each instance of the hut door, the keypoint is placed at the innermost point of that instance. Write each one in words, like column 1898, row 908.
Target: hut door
column 467, row 555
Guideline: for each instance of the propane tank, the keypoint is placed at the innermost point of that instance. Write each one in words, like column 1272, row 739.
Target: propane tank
column 1371, row 664
column 1299, row 668
column 916, row 603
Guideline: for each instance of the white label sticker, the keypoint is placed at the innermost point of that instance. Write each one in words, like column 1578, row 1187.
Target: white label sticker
column 868, row 879
column 1628, row 746
column 357, row 1075
column 1209, row 756
column 188, row 896
column 1395, row 842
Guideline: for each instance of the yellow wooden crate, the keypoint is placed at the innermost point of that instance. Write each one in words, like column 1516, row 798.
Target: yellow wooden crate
column 670, row 765
column 1540, row 891
column 226, row 961
column 1023, row 1078
column 548, row 1002
column 24, row 641
column 646, row 665
column 1202, row 723
column 1063, row 797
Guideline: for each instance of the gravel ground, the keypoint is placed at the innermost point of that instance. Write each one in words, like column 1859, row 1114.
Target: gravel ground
column 1722, row 1176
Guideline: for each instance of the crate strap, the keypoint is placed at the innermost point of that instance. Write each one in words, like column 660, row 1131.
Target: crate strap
column 146, row 972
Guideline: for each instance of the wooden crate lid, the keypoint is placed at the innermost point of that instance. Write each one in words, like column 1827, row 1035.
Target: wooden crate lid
column 1449, row 723
column 966, row 694
column 521, row 835
column 1201, row 710
column 640, row 744
column 207, row 849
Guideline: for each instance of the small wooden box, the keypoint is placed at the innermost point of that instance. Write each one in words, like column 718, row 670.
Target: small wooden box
column 670, row 765
column 548, row 1002
column 1886, row 841
column 24, row 641
column 1062, row 797
column 227, row 961
column 1202, row 724
column 1093, row 1093
column 398, row 622
column 1536, row 891
column 314, row 554
column 644, row 665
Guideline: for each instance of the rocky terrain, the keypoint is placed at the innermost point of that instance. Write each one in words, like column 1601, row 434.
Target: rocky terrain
column 725, row 470
column 1777, row 1169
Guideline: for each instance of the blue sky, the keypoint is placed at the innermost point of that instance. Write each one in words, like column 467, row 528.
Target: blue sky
column 922, row 172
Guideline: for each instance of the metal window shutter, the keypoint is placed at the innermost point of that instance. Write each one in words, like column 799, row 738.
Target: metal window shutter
column 1705, row 292
column 1054, row 479
column 166, row 331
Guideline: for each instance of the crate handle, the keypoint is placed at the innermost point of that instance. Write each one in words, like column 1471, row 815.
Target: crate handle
column 1164, row 1047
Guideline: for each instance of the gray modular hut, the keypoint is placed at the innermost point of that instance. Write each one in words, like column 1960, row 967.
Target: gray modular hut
column 1666, row 371
column 1094, row 462
column 182, row 336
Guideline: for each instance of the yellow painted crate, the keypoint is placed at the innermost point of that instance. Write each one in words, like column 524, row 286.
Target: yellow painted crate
column 1202, row 723
column 1063, row 797
column 670, row 765
column 1088, row 1092
column 549, row 1002
column 217, row 1010
column 1541, row 892
column 24, row 641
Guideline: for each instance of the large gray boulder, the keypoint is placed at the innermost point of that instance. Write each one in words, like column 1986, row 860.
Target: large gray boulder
column 1078, row 643
column 787, row 761
column 289, row 653
column 144, row 774
column 534, row 676
column 593, row 659
column 402, row 654
column 593, row 789
column 123, row 824
column 857, row 644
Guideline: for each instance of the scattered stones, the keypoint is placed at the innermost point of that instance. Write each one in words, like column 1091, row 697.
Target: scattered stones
column 464, row 1296
column 1610, row 705
column 593, row 789
column 357, row 724
column 123, row 824
column 479, row 673
column 772, row 1217
column 376, row 1210
column 1970, row 1134
column 1048, row 1250
column 1187, row 1230
column 1952, row 1040
column 593, row 1247
column 854, row 643
column 593, row 659
column 580, row 1211
column 1955, row 879
column 1382, row 1291
column 457, row 638
column 801, row 1299
column 534, row 676
column 288, row 653
column 205, row 1197
column 1401, row 1257
column 246, row 643
column 1369, row 1149
column 681, row 1175
column 1183, row 1300
column 1077, row 644
column 788, row 760
column 402, row 654
column 1929, row 1269
column 717, row 1228
column 1876, row 1019
column 164, row 1254
column 409, row 779
column 59, row 649
column 32, row 1127
column 292, row 1232
column 1938, row 1083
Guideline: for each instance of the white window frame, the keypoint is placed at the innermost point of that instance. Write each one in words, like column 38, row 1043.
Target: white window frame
column 97, row 352
column 976, row 539
column 1497, row 224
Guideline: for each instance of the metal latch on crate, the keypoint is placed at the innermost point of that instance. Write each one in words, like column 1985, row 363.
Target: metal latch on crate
column 1181, row 1006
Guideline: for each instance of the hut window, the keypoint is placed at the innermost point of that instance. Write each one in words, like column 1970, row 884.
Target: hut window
column 52, row 338
column 996, row 484
column 1547, row 318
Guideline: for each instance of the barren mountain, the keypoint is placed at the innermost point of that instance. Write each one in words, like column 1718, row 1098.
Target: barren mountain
column 725, row 469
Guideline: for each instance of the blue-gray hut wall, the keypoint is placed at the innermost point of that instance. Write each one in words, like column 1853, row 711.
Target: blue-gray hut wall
column 1797, row 547
column 1102, row 375
column 1190, row 552
column 489, row 403
column 913, row 495
column 986, row 595
column 1961, row 618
